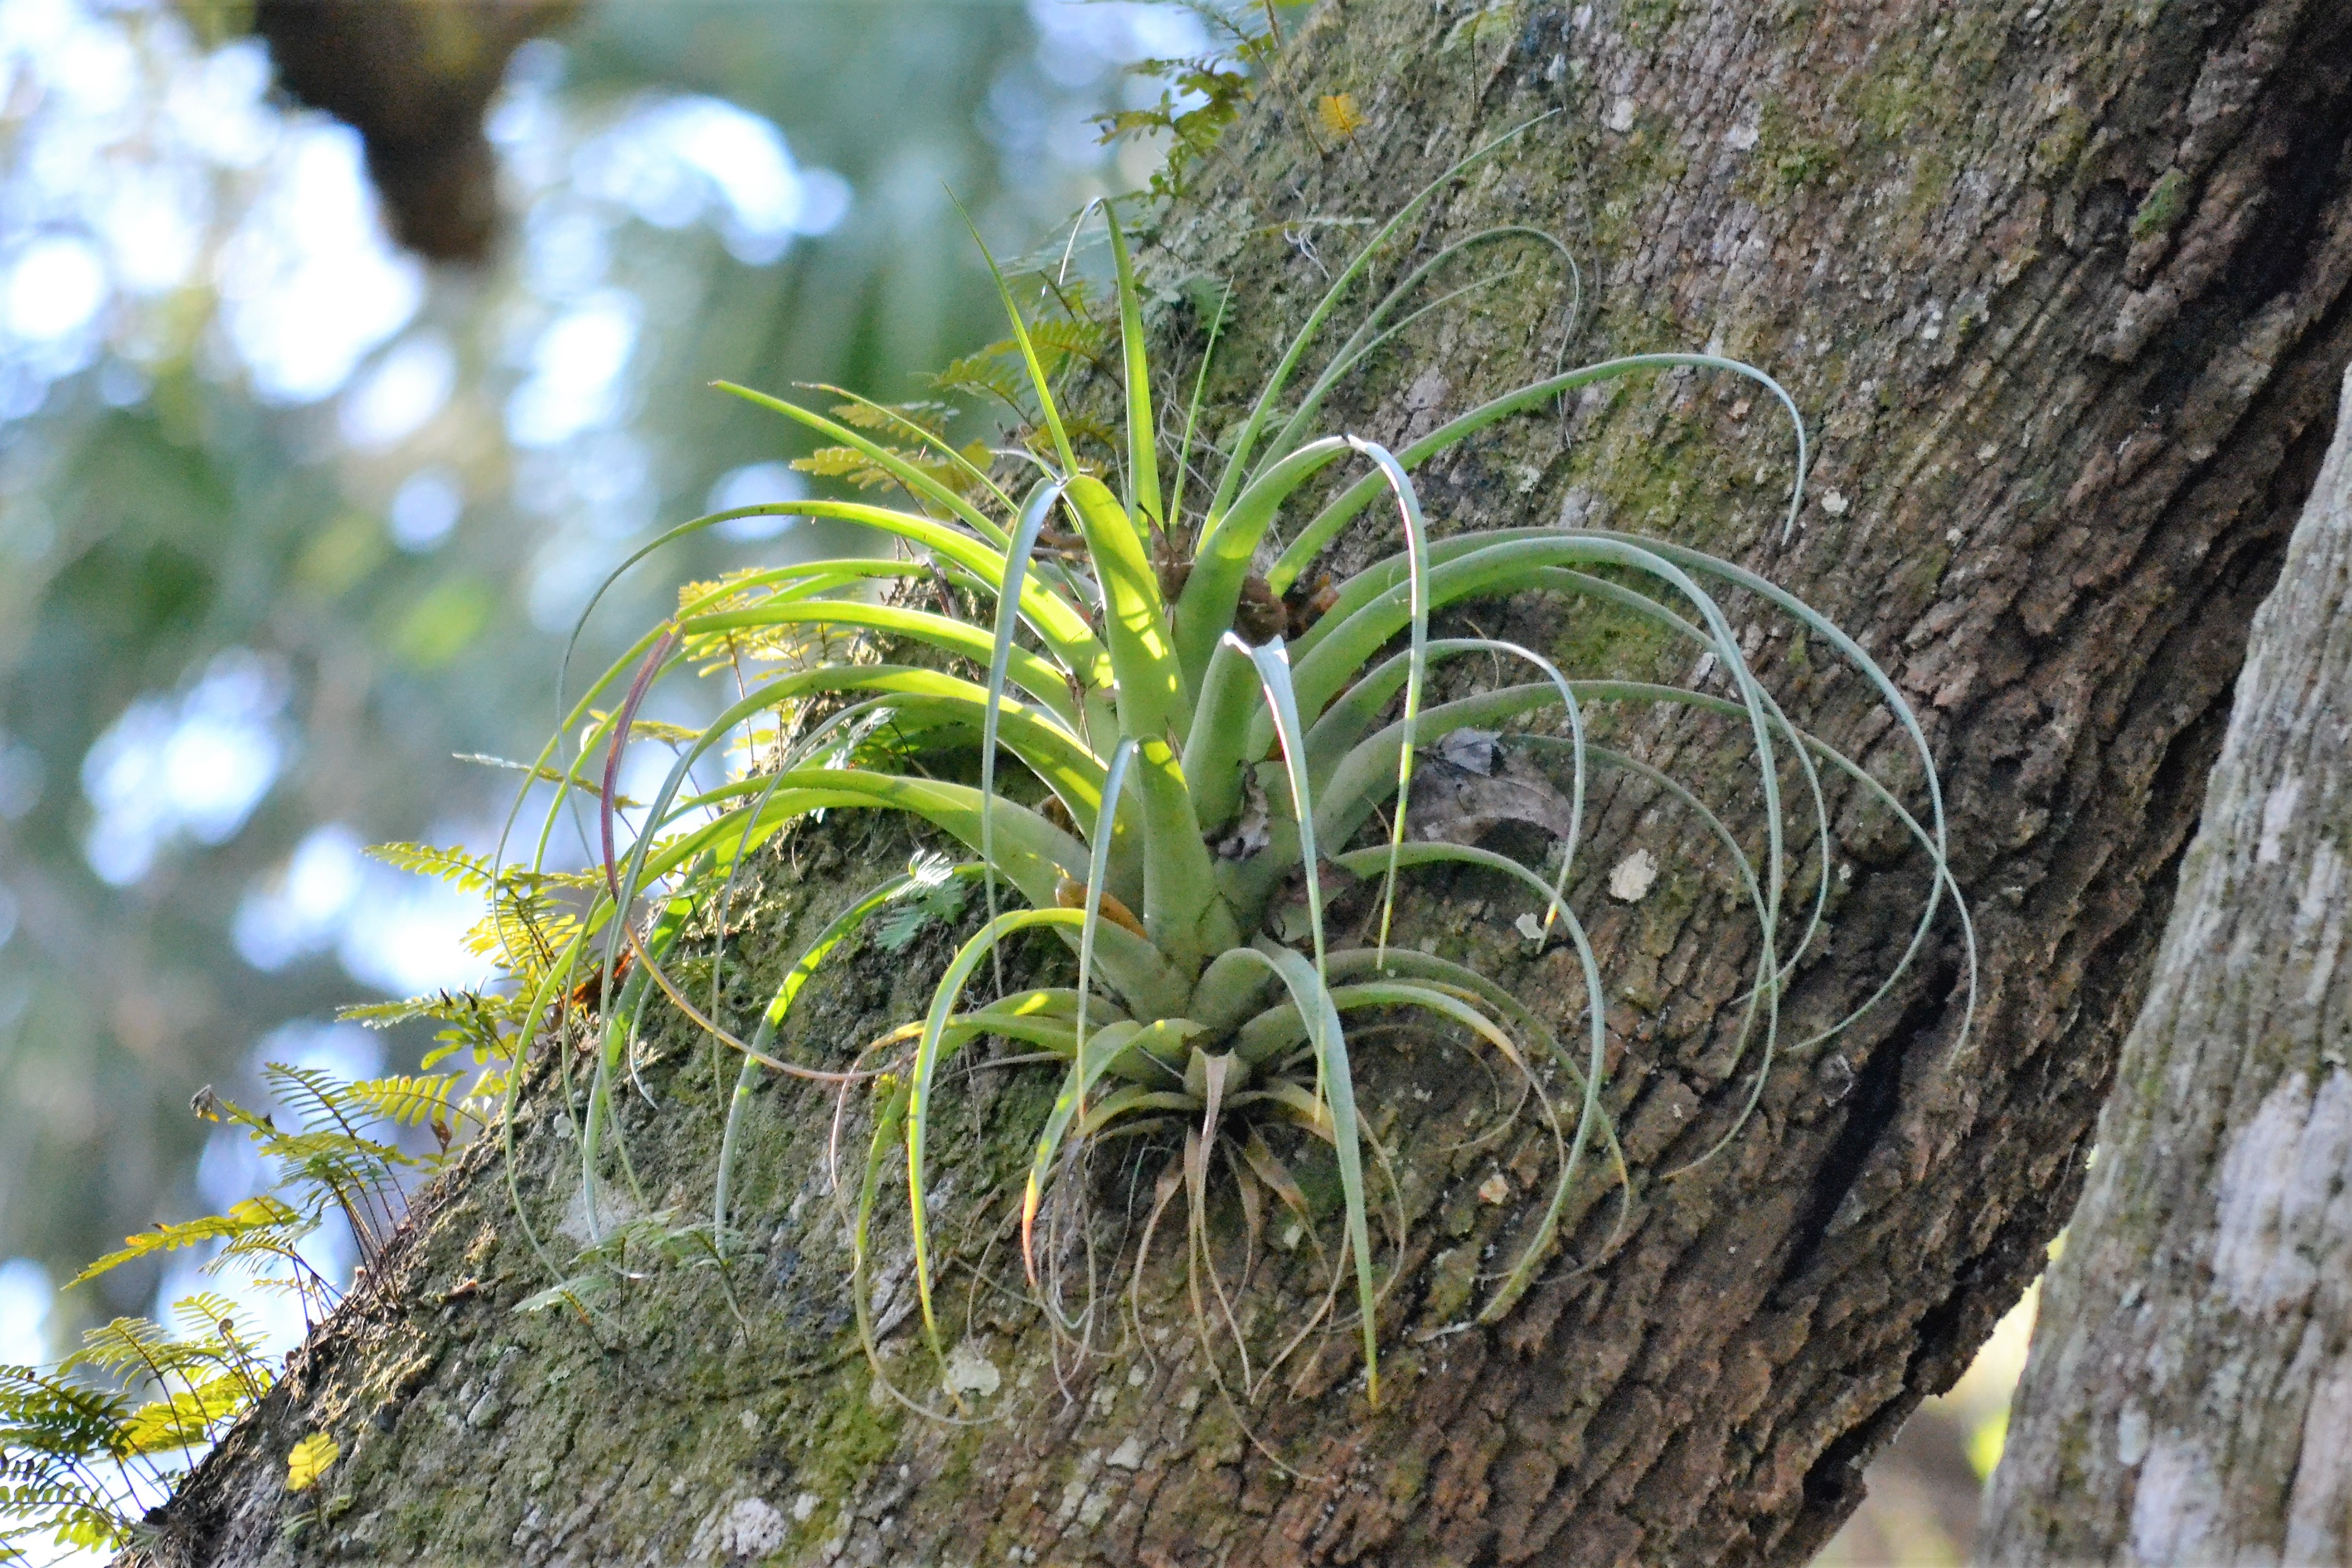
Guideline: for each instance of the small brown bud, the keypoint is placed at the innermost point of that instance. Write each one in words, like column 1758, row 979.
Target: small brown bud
column 1071, row 893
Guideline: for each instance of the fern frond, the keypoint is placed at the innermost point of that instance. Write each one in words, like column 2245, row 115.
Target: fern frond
column 123, row 1343
column 407, row 1100
column 280, row 1243
column 445, row 1006
column 72, row 1512
column 543, row 774
column 242, row 1218
column 311, row 1090
column 208, row 1313
column 332, row 1150
column 523, row 931
column 842, row 463
column 310, row 1460
column 642, row 728
column 1089, row 429
column 47, row 1412
column 981, row 375
column 461, row 869
column 1075, row 338
column 932, row 895
column 189, row 1417
column 932, row 418
column 717, row 595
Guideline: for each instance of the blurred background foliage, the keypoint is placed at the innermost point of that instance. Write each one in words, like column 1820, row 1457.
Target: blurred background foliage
column 291, row 518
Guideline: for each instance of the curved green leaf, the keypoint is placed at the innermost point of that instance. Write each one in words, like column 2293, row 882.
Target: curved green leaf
column 929, row 1052
column 882, row 458
column 1048, row 685
column 1038, row 383
column 1335, row 1077
column 1343, row 508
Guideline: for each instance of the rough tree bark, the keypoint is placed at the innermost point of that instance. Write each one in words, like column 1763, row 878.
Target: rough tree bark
column 2189, row 1395
column 2063, row 287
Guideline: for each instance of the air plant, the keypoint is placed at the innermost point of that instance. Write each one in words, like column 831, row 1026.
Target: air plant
column 1157, row 758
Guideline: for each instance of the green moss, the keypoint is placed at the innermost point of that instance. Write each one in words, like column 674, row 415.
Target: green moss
column 1807, row 164
column 1408, row 1474
column 1798, row 660
column 2162, row 207
column 1666, row 909
column 1646, row 21
column 1452, row 1279
column 2062, row 141
column 1931, row 182
column 1871, row 125
column 1641, row 164
column 1479, row 27
column 1887, row 105
column 1601, row 640
column 858, row 1428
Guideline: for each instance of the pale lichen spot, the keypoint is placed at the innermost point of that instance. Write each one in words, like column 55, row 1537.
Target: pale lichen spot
column 2177, row 1511
column 1074, row 1493
column 2274, row 1211
column 2319, row 907
column 753, row 1528
column 971, row 1372
column 2320, row 1501
column 2278, row 815
column 805, row 1505
column 1128, row 1456
column 1633, row 877
column 2131, row 1435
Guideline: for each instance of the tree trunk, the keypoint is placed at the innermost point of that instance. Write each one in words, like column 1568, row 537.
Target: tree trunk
column 2189, row 1395
column 2062, row 286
